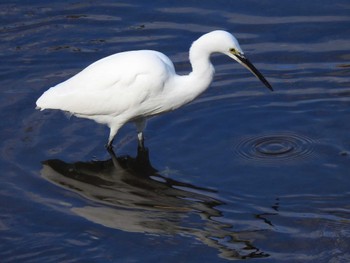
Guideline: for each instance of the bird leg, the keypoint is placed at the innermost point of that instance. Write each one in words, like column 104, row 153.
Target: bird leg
column 141, row 140
column 109, row 145
column 110, row 150
column 140, row 126
column 113, row 131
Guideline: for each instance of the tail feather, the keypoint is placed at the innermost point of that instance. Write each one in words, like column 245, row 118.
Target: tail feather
column 48, row 100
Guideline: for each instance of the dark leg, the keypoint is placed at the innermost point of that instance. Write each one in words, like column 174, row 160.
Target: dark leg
column 109, row 146
column 140, row 126
column 141, row 140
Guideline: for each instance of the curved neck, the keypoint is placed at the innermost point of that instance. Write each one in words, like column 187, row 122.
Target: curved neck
column 200, row 61
column 202, row 70
column 187, row 88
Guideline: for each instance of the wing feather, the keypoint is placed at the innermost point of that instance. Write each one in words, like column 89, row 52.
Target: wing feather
column 112, row 85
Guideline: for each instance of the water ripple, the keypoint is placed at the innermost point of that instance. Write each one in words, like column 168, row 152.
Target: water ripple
column 273, row 148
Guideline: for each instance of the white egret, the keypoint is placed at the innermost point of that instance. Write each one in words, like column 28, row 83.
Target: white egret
column 135, row 85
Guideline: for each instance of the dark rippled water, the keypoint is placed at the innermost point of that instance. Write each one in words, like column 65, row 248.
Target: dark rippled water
column 241, row 173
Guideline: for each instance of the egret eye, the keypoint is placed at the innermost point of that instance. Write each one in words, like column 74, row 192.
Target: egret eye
column 233, row 51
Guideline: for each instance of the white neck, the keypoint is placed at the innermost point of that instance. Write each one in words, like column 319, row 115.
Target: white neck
column 187, row 88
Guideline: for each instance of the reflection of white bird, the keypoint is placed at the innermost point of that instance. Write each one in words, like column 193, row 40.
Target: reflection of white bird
column 134, row 85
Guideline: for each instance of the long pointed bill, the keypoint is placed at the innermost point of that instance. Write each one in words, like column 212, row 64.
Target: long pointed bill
column 246, row 63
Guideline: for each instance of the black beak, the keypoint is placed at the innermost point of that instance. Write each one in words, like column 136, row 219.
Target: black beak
column 246, row 63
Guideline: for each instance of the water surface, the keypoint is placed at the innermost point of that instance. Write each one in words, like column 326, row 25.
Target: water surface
column 241, row 173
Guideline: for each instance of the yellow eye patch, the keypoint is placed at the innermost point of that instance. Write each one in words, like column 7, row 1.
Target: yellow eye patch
column 234, row 51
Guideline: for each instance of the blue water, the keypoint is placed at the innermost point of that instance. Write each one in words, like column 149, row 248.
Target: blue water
column 240, row 173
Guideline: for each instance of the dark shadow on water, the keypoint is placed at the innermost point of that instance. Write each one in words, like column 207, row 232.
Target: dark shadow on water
column 131, row 195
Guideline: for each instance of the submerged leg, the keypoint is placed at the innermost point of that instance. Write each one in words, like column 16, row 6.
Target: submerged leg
column 112, row 133
column 141, row 140
column 109, row 145
column 140, row 126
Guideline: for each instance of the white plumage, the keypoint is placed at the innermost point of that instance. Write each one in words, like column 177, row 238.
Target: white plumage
column 134, row 85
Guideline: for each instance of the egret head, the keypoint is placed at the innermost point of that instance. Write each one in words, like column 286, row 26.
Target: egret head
column 241, row 59
column 224, row 42
column 237, row 54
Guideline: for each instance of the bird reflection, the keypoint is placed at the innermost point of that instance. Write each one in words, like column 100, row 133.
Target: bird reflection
column 130, row 195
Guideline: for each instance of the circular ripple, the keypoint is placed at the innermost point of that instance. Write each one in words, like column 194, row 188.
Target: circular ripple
column 274, row 148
